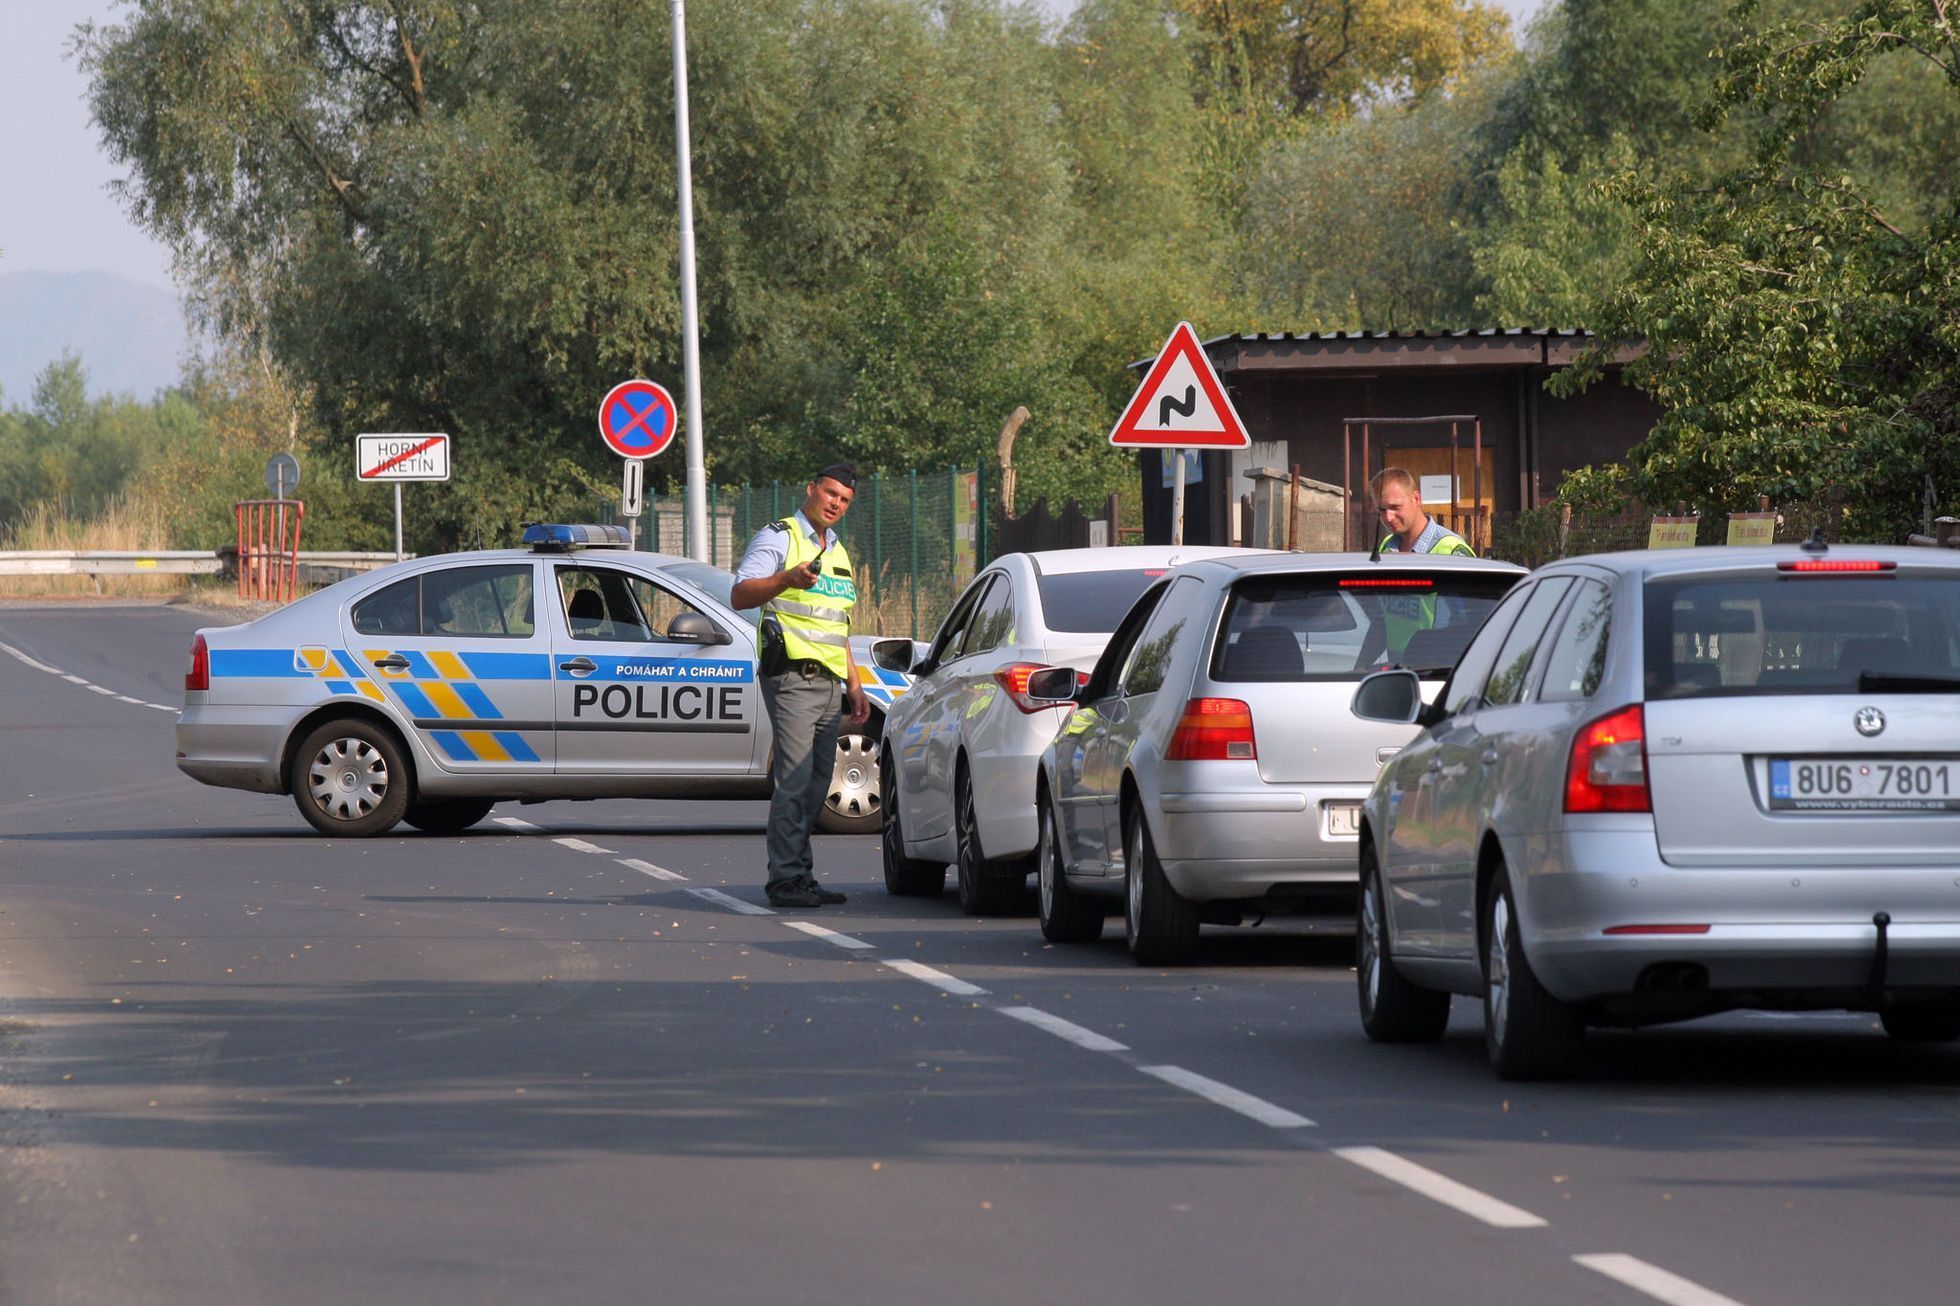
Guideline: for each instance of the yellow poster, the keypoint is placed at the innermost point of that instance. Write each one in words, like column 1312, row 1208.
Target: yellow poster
column 1752, row 528
column 966, row 511
column 1672, row 533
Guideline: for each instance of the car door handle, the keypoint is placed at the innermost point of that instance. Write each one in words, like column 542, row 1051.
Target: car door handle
column 393, row 662
column 1490, row 757
column 579, row 666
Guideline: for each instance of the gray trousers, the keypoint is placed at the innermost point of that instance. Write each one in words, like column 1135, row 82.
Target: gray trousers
column 803, row 712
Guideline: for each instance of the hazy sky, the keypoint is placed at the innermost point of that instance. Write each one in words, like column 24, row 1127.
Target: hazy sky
column 56, row 214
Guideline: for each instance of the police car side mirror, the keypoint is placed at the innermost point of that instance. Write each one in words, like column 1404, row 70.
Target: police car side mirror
column 1392, row 697
column 696, row 628
column 1053, row 685
column 892, row 654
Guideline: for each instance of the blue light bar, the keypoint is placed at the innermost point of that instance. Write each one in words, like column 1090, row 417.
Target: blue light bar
column 557, row 537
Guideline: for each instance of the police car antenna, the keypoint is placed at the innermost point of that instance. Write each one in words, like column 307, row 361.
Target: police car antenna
column 1816, row 543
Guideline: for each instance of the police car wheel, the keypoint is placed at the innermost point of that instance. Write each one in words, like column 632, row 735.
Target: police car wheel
column 853, row 804
column 447, row 815
column 349, row 779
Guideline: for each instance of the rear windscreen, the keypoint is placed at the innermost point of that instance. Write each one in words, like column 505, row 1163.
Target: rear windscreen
column 1341, row 627
column 1091, row 602
column 1801, row 634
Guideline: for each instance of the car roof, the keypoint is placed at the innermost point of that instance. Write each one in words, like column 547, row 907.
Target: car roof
column 1725, row 558
column 1120, row 557
column 1265, row 562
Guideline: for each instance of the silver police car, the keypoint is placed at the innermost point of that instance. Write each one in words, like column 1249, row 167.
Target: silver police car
column 1664, row 784
column 430, row 690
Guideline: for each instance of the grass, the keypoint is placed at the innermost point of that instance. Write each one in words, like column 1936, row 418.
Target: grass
column 126, row 524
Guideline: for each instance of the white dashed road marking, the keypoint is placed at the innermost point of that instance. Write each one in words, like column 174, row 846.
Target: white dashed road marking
column 581, row 846
column 1232, row 1099
column 720, row 899
column 39, row 665
column 513, row 823
column 1652, row 1280
column 828, row 936
column 1439, row 1188
column 939, row 979
column 1066, row 1030
column 648, row 868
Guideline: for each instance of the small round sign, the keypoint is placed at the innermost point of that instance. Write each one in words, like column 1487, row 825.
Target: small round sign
column 282, row 474
column 637, row 419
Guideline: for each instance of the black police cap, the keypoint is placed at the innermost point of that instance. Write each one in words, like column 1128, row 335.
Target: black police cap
column 843, row 473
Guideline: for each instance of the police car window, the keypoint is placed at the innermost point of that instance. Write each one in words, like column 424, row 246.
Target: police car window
column 1577, row 661
column 479, row 602
column 993, row 620
column 1151, row 658
column 1466, row 684
column 599, row 605
column 715, row 582
column 1508, row 679
column 658, row 604
column 396, row 610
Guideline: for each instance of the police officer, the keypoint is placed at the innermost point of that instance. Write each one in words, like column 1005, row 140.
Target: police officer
column 798, row 573
column 1410, row 529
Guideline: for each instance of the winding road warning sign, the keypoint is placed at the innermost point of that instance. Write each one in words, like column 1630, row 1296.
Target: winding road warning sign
column 1180, row 404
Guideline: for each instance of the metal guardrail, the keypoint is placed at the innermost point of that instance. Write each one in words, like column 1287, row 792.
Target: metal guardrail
column 183, row 562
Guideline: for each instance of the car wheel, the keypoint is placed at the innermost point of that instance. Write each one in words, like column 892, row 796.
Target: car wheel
column 1067, row 915
column 1529, row 1033
column 447, row 815
column 349, row 779
column 1392, row 1009
column 1160, row 923
column 984, row 891
column 905, row 877
column 853, row 802
column 1923, row 1022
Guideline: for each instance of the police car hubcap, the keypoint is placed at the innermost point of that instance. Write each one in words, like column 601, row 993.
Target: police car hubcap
column 854, row 781
column 348, row 779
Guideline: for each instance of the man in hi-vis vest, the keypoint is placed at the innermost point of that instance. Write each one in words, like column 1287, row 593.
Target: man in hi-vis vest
column 1410, row 530
column 798, row 573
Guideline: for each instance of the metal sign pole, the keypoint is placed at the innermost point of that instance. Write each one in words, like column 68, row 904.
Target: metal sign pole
column 697, row 463
column 1177, row 498
column 399, row 555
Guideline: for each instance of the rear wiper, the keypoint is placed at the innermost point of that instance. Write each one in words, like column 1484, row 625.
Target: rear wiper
column 1872, row 682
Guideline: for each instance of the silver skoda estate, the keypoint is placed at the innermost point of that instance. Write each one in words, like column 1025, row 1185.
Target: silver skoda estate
column 1210, row 768
column 1660, row 785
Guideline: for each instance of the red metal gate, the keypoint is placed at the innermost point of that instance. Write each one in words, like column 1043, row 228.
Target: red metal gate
column 268, row 548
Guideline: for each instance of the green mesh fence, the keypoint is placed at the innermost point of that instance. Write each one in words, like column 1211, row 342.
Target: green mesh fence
column 915, row 538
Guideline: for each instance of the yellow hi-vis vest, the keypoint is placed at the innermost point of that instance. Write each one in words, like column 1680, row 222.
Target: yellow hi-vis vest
column 816, row 622
column 1402, row 617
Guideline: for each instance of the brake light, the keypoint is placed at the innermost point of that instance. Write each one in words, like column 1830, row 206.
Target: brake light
column 1014, row 679
column 199, row 676
column 1213, row 730
column 1836, row 564
column 1388, row 583
column 1608, row 768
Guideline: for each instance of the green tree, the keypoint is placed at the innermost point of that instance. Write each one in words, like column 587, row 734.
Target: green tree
column 1801, row 338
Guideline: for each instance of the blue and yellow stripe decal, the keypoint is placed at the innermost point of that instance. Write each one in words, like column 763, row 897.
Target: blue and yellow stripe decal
column 439, row 686
column 882, row 686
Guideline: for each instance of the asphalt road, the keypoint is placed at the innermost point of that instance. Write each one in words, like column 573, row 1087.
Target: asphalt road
column 570, row 1057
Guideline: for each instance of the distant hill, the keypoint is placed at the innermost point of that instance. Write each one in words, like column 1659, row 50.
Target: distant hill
column 130, row 335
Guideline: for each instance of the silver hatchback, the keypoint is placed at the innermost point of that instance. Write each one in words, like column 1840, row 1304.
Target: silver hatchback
column 1661, row 785
column 1210, row 769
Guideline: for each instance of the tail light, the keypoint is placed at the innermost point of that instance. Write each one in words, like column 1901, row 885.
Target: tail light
column 1608, row 769
column 199, row 676
column 1014, row 679
column 1213, row 730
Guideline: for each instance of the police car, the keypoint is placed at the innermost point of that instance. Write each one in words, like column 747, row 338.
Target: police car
column 430, row 690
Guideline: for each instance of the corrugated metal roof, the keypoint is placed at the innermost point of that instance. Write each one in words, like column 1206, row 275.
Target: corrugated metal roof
column 1328, row 337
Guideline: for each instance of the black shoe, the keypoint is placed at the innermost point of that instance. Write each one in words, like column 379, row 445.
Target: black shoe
column 797, row 895
column 829, row 897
